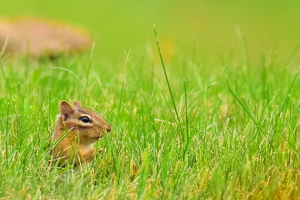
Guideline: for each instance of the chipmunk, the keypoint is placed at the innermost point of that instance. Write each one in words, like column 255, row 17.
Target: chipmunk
column 76, row 130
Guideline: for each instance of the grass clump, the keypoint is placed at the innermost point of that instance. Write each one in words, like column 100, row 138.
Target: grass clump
column 195, row 130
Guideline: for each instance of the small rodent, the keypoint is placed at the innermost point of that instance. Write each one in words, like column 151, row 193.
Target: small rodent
column 76, row 130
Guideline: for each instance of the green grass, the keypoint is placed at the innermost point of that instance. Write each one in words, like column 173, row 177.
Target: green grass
column 181, row 130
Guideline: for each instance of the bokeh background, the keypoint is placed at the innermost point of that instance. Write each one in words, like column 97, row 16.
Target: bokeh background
column 201, row 29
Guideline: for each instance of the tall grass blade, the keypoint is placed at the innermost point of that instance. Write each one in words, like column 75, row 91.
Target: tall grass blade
column 166, row 77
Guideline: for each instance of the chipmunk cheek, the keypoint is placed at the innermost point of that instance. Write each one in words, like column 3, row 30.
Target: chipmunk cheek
column 70, row 126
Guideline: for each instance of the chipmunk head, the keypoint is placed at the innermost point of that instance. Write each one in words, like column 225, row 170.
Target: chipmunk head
column 86, row 124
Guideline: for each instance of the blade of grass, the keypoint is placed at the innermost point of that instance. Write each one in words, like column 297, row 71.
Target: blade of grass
column 244, row 45
column 69, row 72
column 123, row 84
column 166, row 77
column 188, row 137
column 293, row 54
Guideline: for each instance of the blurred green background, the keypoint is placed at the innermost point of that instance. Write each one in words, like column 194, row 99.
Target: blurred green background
column 269, row 27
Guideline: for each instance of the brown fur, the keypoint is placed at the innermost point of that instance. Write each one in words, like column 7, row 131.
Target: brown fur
column 77, row 137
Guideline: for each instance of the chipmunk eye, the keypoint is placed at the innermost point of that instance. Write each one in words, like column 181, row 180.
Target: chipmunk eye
column 85, row 119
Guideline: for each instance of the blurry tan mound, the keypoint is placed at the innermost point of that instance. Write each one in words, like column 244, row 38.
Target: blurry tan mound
column 41, row 37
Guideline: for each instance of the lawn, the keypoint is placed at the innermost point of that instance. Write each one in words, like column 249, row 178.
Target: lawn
column 185, row 124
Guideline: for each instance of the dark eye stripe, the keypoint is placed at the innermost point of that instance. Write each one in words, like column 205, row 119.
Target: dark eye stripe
column 85, row 119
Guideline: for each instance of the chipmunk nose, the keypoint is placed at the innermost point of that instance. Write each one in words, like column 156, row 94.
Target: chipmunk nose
column 108, row 128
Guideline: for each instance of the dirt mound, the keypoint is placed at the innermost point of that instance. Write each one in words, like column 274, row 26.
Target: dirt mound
column 41, row 37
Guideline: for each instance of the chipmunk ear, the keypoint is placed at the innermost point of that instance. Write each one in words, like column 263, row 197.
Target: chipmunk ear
column 66, row 109
column 77, row 104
